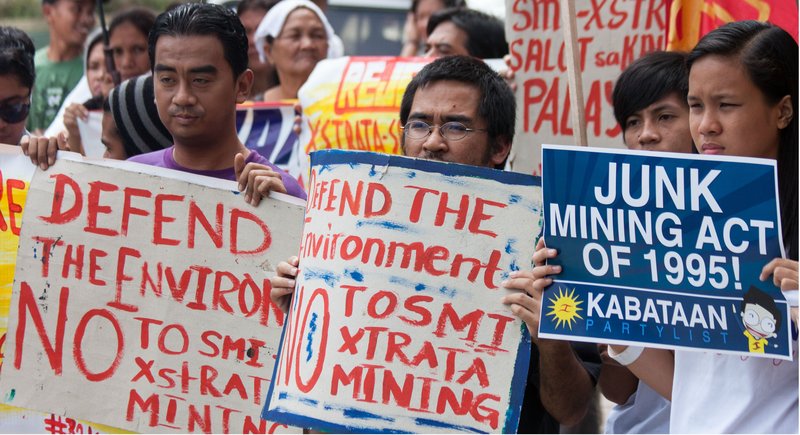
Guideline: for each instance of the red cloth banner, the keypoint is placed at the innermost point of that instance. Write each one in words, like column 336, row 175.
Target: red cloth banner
column 689, row 20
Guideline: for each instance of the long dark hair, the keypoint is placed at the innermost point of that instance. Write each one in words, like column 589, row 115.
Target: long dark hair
column 769, row 54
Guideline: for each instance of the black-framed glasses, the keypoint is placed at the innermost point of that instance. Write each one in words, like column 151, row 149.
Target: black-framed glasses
column 13, row 113
column 449, row 130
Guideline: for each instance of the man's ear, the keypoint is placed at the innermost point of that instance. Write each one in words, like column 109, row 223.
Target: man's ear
column 785, row 112
column 500, row 150
column 243, row 86
column 47, row 11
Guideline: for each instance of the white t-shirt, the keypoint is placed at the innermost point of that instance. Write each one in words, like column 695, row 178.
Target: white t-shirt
column 645, row 412
column 716, row 393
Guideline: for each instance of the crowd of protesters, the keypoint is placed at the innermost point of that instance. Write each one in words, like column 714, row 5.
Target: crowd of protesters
column 168, row 85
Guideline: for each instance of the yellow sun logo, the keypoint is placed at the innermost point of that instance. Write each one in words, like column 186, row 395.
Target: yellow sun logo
column 564, row 308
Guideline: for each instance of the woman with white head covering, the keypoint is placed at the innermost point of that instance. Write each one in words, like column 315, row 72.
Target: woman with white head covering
column 87, row 95
column 293, row 37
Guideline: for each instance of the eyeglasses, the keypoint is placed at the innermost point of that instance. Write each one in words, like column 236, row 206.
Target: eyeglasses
column 752, row 318
column 449, row 130
column 14, row 113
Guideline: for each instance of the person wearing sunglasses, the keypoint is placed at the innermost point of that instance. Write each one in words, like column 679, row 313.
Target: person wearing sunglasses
column 17, row 75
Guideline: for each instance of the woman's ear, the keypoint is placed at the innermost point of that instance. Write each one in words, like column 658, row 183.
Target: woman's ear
column 785, row 112
column 268, row 51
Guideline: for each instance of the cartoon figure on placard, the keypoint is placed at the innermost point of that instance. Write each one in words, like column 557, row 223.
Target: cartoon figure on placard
column 760, row 317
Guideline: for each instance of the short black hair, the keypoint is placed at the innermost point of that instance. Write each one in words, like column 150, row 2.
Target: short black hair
column 249, row 5
column 496, row 103
column 141, row 18
column 756, row 296
column 486, row 35
column 204, row 19
column 94, row 103
column 648, row 79
column 16, row 55
column 446, row 3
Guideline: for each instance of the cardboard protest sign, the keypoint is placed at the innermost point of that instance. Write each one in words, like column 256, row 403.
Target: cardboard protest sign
column 16, row 171
column 353, row 103
column 141, row 299
column 663, row 250
column 610, row 35
column 397, row 322
column 267, row 129
column 17, row 420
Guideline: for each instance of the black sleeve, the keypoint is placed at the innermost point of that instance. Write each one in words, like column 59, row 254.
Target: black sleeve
column 589, row 357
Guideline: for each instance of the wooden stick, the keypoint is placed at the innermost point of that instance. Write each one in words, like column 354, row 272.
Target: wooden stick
column 574, row 73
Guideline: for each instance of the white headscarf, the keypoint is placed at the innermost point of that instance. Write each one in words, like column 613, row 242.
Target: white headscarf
column 276, row 17
column 95, row 35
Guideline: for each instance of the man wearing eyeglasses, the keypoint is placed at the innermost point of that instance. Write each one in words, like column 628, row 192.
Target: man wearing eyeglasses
column 469, row 130
column 457, row 109
column 17, row 75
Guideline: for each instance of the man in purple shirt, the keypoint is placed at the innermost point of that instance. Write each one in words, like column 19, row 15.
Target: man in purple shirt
column 198, row 53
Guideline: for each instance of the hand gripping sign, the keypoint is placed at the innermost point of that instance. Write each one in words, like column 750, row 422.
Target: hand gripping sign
column 397, row 322
column 663, row 250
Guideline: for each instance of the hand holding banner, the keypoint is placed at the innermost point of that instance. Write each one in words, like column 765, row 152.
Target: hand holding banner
column 663, row 250
column 397, row 322
column 141, row 299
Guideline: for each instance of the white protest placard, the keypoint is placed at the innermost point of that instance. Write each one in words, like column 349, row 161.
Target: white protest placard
column 16, row 171
column 141, row 299
column 610, row 35
column 397, row 322
column 91, row 132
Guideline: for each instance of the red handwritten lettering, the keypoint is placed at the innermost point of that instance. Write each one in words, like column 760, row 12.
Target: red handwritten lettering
column 57, row 214
column 128, row 209
column 14, row 208
column 28, row 306
column 93, row 208
column 77, row 350
column 237, row 216
column 160, row 219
